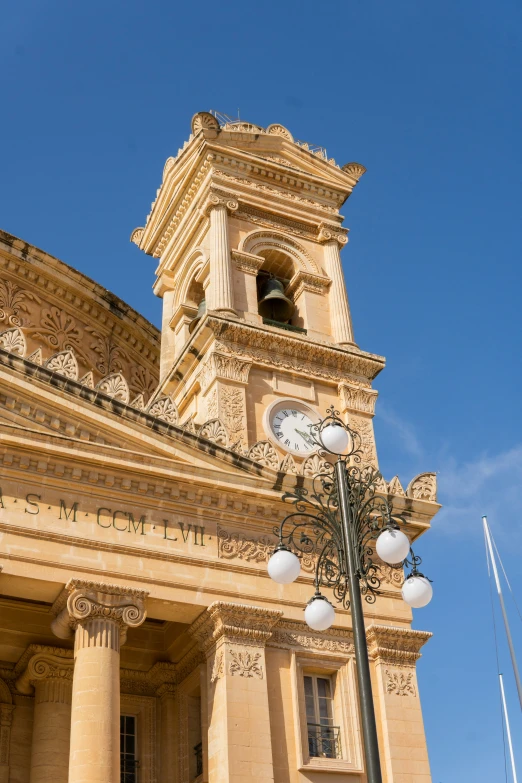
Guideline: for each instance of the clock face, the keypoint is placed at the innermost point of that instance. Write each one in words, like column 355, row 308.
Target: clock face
column 288, row 423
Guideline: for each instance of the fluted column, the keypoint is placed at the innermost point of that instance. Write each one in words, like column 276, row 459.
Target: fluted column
column 221, row 289
column 340, row 317
column 50, row 676
column 99, row 614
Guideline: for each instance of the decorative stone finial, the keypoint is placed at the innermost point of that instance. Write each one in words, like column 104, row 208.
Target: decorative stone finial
column 203, row 120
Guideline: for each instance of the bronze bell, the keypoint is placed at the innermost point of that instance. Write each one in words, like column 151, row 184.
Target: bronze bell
column 273, row 304
column 202, row 309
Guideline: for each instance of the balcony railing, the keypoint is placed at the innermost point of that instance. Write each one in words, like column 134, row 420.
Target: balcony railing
column 198, row 752
column 128, row 768
column 288, row 327
column 324, row 741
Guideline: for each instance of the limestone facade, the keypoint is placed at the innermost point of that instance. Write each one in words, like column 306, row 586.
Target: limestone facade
column 141, row 638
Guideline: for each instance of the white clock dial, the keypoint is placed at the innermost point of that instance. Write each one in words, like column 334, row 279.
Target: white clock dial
column 288, row 423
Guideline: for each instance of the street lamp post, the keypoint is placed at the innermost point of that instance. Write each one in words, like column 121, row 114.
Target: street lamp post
column 341, row 520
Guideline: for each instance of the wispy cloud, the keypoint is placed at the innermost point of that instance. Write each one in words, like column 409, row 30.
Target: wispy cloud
column 403, row 430
column 489, row 484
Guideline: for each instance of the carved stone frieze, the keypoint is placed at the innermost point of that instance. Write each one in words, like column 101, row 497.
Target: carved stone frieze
column 254, row 550
column 400, row 683
column 295, row 354
column 243, row 547
column 393, row 645
column 225, row 367
column 390, row 575
column 245, row 663
column 363, row 426
column 267, row 220
column 355, row 398
column 283, row 193
column 296, row 635
column 247, row 262
column 235, row 623
column 306, row 281
column 14, row 303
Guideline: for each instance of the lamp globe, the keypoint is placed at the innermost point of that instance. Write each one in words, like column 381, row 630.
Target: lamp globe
column 392, row 546
column 335, row 438
column 417, row 591
column 284, row 567
column 319, row 614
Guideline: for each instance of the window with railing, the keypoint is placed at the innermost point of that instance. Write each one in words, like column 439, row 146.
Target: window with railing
column 198, row 753
column 128, row 760
column 324, row 738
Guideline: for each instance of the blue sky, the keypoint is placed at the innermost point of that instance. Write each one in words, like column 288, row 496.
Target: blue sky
column 427, row 96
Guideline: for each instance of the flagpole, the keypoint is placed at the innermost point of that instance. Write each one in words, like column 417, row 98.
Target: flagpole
column 502, row 606
column 508, row 730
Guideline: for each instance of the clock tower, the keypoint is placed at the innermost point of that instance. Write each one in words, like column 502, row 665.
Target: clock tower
column 257, row 338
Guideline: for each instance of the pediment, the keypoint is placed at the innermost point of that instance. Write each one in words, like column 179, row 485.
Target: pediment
column 37, row 403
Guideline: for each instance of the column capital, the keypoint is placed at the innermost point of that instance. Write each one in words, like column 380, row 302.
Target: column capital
column 330, row 232
column 83, row 601
column 392, row 645
column 43, row 666
column 235, row 622
column 247, row 262
column 216, row 199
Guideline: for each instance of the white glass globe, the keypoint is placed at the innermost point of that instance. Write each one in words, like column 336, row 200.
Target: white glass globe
column 335, row 438
column 284, row 567
column 392, row 546
column 319, row 614
column 417, row 591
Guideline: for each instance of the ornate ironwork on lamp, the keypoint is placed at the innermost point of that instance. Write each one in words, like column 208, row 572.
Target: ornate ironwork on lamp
column 343, row 520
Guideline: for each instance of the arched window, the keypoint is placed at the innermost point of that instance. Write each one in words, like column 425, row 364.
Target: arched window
column 274, row 305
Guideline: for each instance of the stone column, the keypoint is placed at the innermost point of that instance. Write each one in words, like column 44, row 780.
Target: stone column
column 233, row 637
column 340, row 317
column 395, row 651
column 168, row 758
column 99, row 614
column 50, row 676
column 168, row 338
column 220, row 289
column 6, row 717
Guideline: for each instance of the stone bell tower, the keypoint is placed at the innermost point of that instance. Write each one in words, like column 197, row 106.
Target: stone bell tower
column 243, row 210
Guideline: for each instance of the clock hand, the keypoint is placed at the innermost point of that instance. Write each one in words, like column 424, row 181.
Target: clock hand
column 306, row 437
